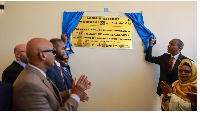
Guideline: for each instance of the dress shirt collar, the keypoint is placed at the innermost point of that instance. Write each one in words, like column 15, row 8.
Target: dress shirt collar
column 38, row 69
column 176, row 56
column 20, row 63
column 57, row 63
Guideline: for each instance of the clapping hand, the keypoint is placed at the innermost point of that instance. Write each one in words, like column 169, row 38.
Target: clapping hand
column 84, row 97
column 79, row 87
column 192, row 94
column 165, row 88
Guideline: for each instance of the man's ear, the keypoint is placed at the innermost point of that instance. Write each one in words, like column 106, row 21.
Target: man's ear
column 179, row 49
column 42, row 56
column 17, row 55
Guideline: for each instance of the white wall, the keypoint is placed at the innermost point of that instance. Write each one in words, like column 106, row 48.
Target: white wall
column 121, row 79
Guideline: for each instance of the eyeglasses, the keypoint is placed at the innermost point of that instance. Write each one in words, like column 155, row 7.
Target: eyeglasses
column 50, row 50
column 186, row 71
column 64, row 59
column 22, row 51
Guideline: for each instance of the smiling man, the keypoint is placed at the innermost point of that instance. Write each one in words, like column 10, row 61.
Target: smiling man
column 168, row 62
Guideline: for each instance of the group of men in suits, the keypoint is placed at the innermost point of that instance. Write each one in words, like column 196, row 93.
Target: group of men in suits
column 33, row 90
column 42, row 67
column 58, row 75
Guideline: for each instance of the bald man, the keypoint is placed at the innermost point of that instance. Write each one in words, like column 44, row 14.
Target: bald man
column 11, row 72
column 33, row 90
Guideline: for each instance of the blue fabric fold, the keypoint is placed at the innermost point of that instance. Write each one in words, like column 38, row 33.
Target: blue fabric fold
column 145, row 34
column 70, row 22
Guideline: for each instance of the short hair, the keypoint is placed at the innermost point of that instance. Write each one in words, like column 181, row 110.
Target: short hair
column 55, row 41
column 16, row 49
column 180, row 43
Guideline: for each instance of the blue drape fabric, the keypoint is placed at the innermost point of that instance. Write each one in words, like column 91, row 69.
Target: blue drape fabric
column 70, row 22
column 145, row 34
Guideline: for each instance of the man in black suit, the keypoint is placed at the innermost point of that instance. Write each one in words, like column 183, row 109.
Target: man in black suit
column 11, row 72
column 55, row 73
column 168, row 62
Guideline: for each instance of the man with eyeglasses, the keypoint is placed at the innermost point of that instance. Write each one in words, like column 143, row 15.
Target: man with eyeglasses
column 55, row 73
column 34, row 91
column 11, row 72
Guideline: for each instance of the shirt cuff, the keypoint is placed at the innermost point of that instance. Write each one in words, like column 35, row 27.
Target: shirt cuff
column 69, row 91
column 74, row 96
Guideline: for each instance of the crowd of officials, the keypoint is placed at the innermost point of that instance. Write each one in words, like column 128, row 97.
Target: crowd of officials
column 42, row 80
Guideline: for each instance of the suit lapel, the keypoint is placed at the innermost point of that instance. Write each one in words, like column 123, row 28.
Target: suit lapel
column 178, row 61
column 46, row 82
column 53, row 89
column 57, row 70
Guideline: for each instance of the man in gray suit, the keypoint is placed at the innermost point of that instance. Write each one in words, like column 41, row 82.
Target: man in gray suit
column 33, row 90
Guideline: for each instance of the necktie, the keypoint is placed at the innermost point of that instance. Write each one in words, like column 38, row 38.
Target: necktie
column 60, row 68
column 170, row 64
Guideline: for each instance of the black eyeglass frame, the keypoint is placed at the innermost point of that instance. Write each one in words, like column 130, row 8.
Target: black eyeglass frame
column 49, row 50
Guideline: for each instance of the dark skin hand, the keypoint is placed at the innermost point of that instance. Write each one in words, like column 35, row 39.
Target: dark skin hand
column 84, row 97
column 166, row 89
column 152, row 41
column 191, row 94
column 64, row 37
column 79, row 87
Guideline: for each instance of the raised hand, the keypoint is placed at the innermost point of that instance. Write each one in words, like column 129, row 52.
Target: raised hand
column 152, row 41
column 64, row 37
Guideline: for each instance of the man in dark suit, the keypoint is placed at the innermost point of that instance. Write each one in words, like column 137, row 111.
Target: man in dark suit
column 56, row 73
column 33, row 91
column 168, row 62
column 11, row 72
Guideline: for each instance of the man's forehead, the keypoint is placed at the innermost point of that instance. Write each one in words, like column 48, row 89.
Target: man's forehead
column 60, row 43
column 22, row 47
column 174, row 41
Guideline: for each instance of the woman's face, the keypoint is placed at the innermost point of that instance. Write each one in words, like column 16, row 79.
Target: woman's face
column 184, row 73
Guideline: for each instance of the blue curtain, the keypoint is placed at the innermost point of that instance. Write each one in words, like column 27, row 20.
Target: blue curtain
column 70, row 21
column 145, row 34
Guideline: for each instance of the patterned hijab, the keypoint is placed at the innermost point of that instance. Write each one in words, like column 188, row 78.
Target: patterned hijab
column 180, row 87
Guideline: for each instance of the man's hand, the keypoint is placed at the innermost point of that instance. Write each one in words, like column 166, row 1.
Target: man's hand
column 191, row 94
column 64, row 37
column 84, row 97
column 88, row 85
column 152, row 41
column 79, row 87
column 165, row 88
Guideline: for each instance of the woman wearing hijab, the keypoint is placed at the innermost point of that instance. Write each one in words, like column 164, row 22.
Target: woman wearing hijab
column 174, row 97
